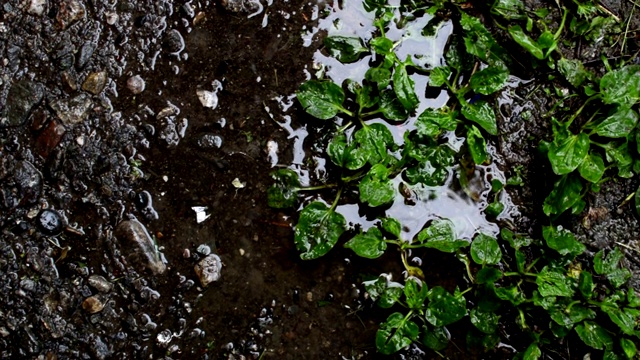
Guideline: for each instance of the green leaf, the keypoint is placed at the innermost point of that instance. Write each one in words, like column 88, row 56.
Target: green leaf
column 629, row 348
column 395, row 334
column 321, row 99
column 318, row 230
column 571, row 316
column 437, row 338
column 532, row 353
column 494, row 209
column 403, row 86
column 345, row 49
column 573, row 71
column 516, row 241
column 485, row 250
column 379, row 76
column 625, row 319
column 489, row 80
column 346, row 155
column 479, row 41
column 525, row 41
column 482, row 114
column 618, row 153
column 566, row 155
column 509, row 9
column 444, row 308
column 607, row 265
column 392, row 226
column 441, row 235
column 594, row 335
column 521, row 260
column 415, row 293
column 284, row 193
column 432, row 122
column 619, row 277
column 384, row 292
column 621, row 86
column 376, row 188
column 365, row 96
column 585, row 284
column 592, row 168
column 567, row 191
column 511, row 294
column 375, row 140
column 487, row 322
column 439, row 76
column 433, row 165
column 391, row 107
column 368, row 245
column 477, row 145
column 562, row 241
column 552, row 282
column 488, row 275
column 619, row 124
column 381, row 45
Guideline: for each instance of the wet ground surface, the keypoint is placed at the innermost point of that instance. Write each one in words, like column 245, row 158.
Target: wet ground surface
column 117, row 111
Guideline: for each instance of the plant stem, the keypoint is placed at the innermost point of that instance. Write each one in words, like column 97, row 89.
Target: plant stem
column 350, row 113
column 318, row 187
column 335, row 202
column 575, row 115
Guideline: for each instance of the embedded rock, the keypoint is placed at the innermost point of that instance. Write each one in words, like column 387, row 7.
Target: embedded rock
column 138, row 247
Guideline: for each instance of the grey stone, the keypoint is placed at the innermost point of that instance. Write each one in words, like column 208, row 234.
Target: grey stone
column 138, row 247
column 74, row 110
column 22, row 97
column 173, row 42
column 208, row 269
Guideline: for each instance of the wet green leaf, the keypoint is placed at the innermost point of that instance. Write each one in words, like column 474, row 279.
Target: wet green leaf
column 592, row 168
column 441, row 235
column 511, row 294
column 607, row 265
column 618, row 153
column 432, row 122
column 346, row 155
column 521, row 260
column 625, row 318
column 569, row 317
column 585, row 284
column 318, row 230
column 381, row 45
column 629, row 348
column 444, row 308
column 619, row 277
column 566, row 193
column 284, row 193
column 552, row 282
column 391, row 107
column 573, row 71
column 379, row 76
column 621, row 86
column 526, row 42
column 439, row 76
column 567, row 154
column 392, row 226
column 477, row 145
column 619, row 124
column 516, row 241
column 532, row 353
column 415, row 293
column 479, row 41
column 375, row 140
column 436, row 338
column 482, row 114
column 433, row 164
column 321, row 99
column 487, row 322
column 562, row 241
column 384, row 292
column 403, row 86
column 488, row 275
column 594, row 335
column 368, row 245
column 364, row 94
column 345, row 49
column 395, row 334
column 494, row 209
column 489, row 80
column 509, row 9
column 485, row 250
column 376, row 188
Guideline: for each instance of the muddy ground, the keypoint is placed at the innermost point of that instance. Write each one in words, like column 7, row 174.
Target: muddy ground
column 115, row 111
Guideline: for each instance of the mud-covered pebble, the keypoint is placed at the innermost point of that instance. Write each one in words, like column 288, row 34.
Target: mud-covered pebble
column 100, row 283
column 70, row 11
column 72, row 110
column 93, row 304
column 173, row 42
column 138, row 246
column 22, row 98
column 208, row 269
column 49, row 222
column 95, row 82
column 209, row 141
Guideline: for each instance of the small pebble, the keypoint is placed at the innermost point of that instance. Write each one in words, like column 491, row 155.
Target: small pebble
column 49, row 222
column 136, row 84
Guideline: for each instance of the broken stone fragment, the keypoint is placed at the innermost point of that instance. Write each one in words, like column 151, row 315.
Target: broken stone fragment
column 95, row 82
column 93, row 304
column 69, row 12
column 22, row 97
column 100, row 283
column 138, row 247
column 74, row 110
column 208, row 269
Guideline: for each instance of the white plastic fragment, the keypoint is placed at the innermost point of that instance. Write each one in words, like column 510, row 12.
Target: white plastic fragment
column 238, row 184
column 201, row 213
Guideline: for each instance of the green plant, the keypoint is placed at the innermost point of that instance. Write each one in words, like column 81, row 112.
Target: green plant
column 548, row 288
